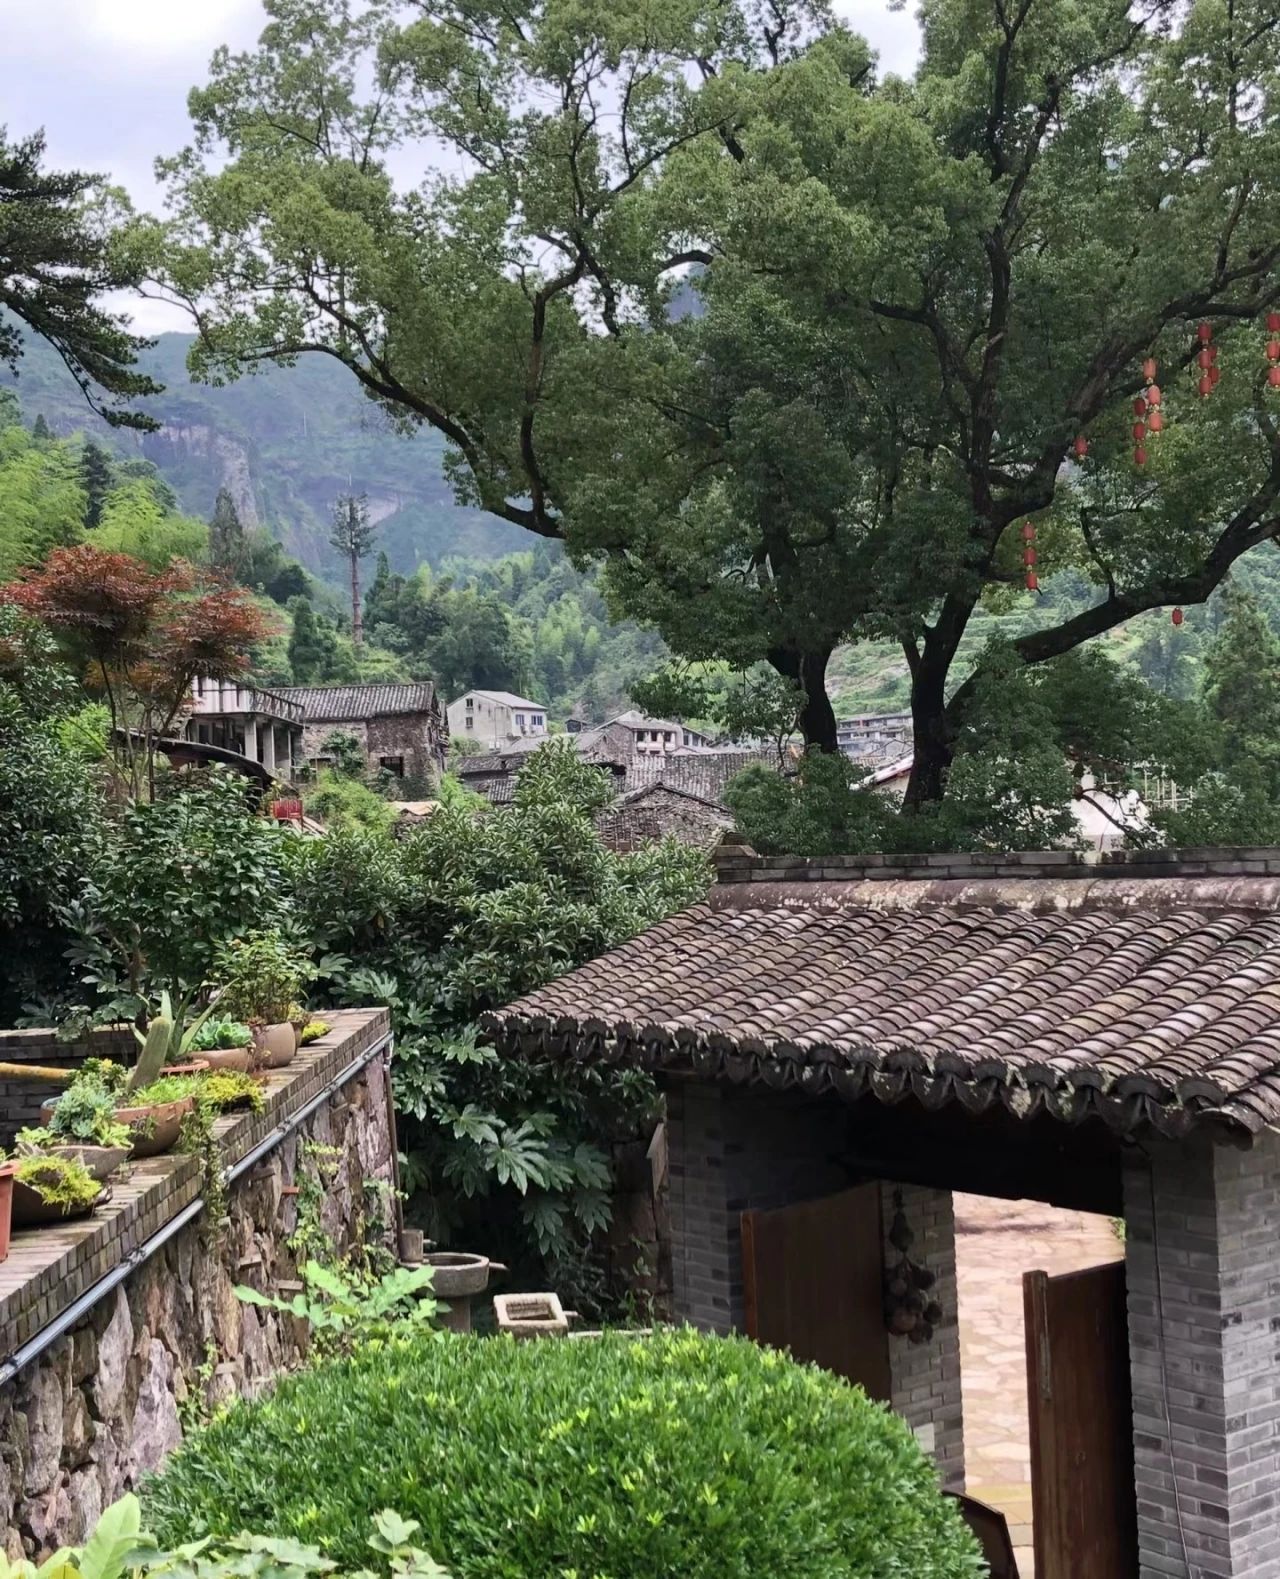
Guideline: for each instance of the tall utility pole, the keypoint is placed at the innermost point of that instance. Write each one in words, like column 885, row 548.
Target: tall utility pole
column 352, row 536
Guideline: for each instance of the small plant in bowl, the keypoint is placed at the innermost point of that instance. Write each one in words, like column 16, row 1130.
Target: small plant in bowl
column 223, row 1042
column 263, row 976
column 313, row 1030
column 47, row 1188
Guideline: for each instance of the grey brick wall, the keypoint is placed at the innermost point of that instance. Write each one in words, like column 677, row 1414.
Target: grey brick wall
column 1203, row 1272
column 732, row 1149
column 925, row 1377
column 21, row 1099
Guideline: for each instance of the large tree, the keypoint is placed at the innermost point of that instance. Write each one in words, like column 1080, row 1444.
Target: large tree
column 57, row 257
column 916, row 297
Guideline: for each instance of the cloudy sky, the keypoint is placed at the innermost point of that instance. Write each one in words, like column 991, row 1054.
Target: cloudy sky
column 108, row 79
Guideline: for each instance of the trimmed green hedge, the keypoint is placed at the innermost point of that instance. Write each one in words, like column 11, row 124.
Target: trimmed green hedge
column 674, row 1457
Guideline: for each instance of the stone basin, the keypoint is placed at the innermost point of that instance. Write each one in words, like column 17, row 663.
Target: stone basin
column 456, row 1274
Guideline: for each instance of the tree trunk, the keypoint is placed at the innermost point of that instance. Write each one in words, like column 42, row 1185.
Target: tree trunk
column 931, row 747
column 357, row 614
column 817, row 718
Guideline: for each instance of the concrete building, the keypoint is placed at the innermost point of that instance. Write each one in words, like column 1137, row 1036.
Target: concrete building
column 262, row 725
column 496, row 719
column 874, row 734
column 399, row 728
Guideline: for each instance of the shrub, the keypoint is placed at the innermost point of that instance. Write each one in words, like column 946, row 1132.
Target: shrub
column 615, row 1458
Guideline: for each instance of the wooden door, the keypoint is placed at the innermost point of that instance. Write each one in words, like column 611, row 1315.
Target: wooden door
column 813, row 1283
column 1081, row 1419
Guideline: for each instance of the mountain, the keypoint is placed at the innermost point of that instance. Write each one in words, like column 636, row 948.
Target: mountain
column 284, row 442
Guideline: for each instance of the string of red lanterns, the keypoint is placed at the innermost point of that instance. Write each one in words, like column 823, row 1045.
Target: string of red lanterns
column 1273, row 350
column 1029, row 556
column 1147, row 412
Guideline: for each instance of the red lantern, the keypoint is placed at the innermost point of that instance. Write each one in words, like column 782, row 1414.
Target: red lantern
column 1149, row 369
column 1273, row 350
column 1028, row 556
column 1033, row 585
column 1205, row 333
column 1154, row 397
column 1081, row 447
column 1205, row 359
column 1139, row 456
column 1176, row 616
column 1139, row 406
column 1273, row 323
column 1205, row 386
column 1155, row 423
column 1028, row 532
column 1273, row 377
column 1139, row 431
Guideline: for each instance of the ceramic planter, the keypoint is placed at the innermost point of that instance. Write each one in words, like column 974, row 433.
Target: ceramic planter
column 99, row 1161
column 236, row 1059
column 31, row 1209
column 277, row 1044
column 154, row 1129
column 6, row 1205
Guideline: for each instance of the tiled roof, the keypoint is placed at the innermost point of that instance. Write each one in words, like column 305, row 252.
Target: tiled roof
column 338, row 704
column 505, row 697
column 1074, row 985
column 699, row 773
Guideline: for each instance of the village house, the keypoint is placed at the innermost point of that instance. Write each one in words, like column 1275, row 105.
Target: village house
column 399, row 728
column 264, row 728
column 496, row 719
column 843, row 1043
column 638, row 733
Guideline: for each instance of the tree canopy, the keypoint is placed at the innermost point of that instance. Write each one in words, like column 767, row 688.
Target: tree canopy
column 56, row 259
column 914, row 298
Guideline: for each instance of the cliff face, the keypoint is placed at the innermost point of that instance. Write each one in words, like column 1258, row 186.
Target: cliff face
column 285, row 442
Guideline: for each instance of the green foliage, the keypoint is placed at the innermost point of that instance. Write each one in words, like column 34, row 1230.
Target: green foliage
column 346, row 752
column 42, row 502
column 58, row 1181
column 51, row 829
column 119, row 1548
column 677, row 1454
column 134, row 521
column 85, row 1112
column 464, row 913
column 346, row 1308
column 220, row 1031
column 169, row 884
column 262, row 976
column 342, row 802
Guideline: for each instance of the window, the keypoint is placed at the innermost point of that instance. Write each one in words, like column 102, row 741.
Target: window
column 471, row 702
column 535, row 719
column 519, row 720
column 471, row 723
column 392, row 765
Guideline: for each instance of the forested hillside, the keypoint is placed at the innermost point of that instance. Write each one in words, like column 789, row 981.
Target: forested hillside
column 283, row 443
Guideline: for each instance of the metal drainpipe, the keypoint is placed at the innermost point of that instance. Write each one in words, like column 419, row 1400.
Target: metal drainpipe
column 34, row 1347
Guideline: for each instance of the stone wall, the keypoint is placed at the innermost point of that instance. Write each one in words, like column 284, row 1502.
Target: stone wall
column 413, row 736
column 649, row 814
column 106, row 1401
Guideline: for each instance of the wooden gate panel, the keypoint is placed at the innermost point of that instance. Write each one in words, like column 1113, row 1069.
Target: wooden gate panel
column 812, row 1282
column 1081, row 1424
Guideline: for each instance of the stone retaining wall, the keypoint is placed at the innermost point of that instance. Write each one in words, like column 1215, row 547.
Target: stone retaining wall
column 102, row 1405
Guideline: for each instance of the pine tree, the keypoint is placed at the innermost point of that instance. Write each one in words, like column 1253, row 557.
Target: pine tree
column 96, row 480
column 40, row 430
column 309, row 650
column 228, row 551
column 352, row 536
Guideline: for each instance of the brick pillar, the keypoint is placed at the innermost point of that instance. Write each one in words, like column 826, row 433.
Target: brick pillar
column 925, row 1377
column 1203, row 1275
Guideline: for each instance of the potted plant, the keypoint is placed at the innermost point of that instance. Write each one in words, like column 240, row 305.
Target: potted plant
column 82, row 1125
column 263, row 976
column 46, row 1189
column 7, row 1171
column 223, row 1042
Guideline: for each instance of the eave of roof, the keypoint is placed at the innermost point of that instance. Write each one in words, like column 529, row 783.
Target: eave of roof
column 1073, row 988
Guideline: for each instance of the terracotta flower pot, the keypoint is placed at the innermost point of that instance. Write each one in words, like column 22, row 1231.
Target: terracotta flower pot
column 236, row 1059
column 193, row 1066
column 6, row 1205
column 99, row 1161
column 277, row 1045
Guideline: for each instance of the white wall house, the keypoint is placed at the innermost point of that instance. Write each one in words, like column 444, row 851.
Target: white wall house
column 496, row 718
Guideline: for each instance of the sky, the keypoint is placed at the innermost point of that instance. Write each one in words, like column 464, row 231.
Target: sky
column 108, row 80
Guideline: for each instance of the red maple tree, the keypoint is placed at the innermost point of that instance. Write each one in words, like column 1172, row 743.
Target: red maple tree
column 141, row 637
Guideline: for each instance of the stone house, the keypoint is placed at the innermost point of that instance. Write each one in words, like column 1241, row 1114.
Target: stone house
column 496, row 719
column 634, row 732
column 399, row 728
column 843, row 1043
column 658, row 811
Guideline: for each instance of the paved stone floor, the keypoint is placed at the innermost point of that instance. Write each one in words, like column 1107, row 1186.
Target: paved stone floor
column 996, row 1242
